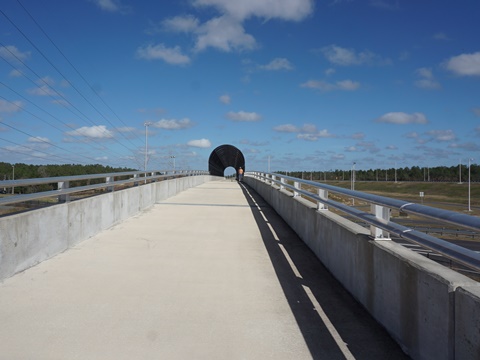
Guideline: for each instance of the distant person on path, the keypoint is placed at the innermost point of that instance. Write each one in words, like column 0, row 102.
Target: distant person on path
column 240, row 174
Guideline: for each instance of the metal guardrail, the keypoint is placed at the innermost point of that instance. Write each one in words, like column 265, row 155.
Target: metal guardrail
column 379, row 218
column 64, row 190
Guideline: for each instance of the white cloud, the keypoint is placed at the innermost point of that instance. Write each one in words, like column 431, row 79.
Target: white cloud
column 346, row 57
column 312, row 134
column 15, row 73
column 427, row 80
column 201, row 143
column 330, row 71
column 225, row 99
column 469, row 146
column 224, row 33
column 184, row 24
column 465, row 64
column 12, row 53
column 402, row 118
column 441, row 36
column 38, row 139
column 43, row 90
column 243, row 116
column 161, row 52
column 347, row 85
column 288, row 128
column 412, row 135
column 173, row 124
column 109, row 5
column 97, row 132
column 425, row 73
column 308, row 132
column 277, row 64
column 10, row 106
column 337, row 157
column 292, row 10
column 442, row 135
column 126, row 129
column 324, row 86
column 358, row 136
column 307, row 137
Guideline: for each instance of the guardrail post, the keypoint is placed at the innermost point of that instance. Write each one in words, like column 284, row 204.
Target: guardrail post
column 273, row 180
column 383, row 213
column 135, row 176
column 323, row 194
column 267, row 179
column 296, row 185
column 109, row 180
column 62, row 185
column 282, row 181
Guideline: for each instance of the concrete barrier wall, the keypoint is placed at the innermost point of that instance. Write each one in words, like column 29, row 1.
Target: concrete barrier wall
column 31, row 237
column 431, row 311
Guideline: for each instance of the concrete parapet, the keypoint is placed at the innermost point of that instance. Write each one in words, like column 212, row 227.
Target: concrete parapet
column 431, row 311
column 467, row 322
column 31, row 237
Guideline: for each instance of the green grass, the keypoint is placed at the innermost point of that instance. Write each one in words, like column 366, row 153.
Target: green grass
column 435, row 194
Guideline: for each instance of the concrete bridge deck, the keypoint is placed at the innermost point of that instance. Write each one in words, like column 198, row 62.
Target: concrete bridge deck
column 211, row 273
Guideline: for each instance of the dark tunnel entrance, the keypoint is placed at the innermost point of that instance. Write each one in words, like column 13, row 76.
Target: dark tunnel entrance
column 223, row 157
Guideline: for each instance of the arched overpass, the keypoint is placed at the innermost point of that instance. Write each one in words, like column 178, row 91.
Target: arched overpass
column 225, row 156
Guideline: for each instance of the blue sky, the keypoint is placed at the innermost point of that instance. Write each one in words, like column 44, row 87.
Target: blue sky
column 300, row 84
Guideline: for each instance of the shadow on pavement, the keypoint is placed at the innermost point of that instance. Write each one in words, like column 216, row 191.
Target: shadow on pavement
column 333, row 324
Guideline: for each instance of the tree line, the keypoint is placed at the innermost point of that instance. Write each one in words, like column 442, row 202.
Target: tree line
column 28, row 171
column 414, row 173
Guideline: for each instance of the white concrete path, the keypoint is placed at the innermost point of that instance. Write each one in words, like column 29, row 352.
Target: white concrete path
column 211, row 273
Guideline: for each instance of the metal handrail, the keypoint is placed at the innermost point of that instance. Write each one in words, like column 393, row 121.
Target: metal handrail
column 457, row 253
column 109, row 183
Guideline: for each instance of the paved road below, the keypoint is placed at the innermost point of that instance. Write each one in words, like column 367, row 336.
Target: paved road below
column 211, row 273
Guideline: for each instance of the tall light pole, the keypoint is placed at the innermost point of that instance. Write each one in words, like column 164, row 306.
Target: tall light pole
column 469, row 166
column 13, row 178
column 147, row 124
column 395, row 172
column 353, row 181
column 173, row 157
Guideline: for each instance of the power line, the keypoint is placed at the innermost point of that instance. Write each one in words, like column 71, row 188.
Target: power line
column 37, row 117
column 36, row 150
column 53, row 89
column 73, row 66
column 67, row 80
column 59, row 72
column 44, row 141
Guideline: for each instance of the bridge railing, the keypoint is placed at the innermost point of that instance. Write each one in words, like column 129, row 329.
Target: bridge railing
column 110, row 180
column 378, row 218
